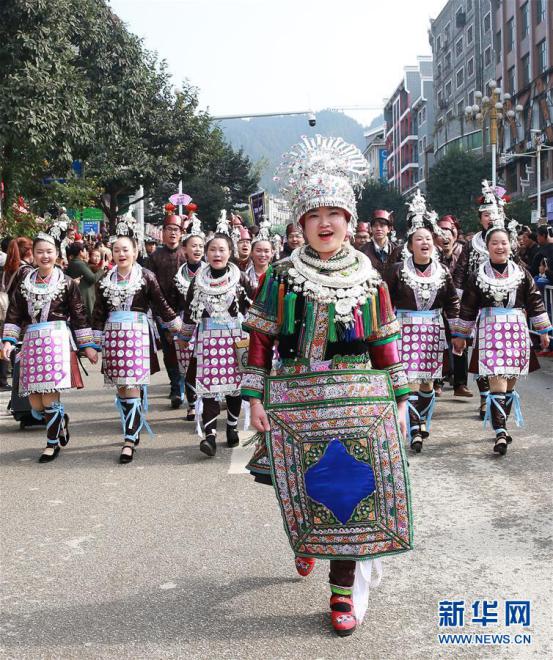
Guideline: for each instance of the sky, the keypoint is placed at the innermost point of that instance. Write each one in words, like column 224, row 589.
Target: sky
column 254, row 56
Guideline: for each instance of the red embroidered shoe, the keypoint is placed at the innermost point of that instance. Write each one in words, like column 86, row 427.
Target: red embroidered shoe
column 342, row 615
column 304, row 565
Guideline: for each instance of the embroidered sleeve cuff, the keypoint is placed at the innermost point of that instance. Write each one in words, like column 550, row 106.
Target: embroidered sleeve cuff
column 462, row 328
column 98, row 336
column 541, row 323
column 253, row 382
column 175, row 325
column 258, row 320
column 391, row 329
column 84, row 337
column 399, row 380
column 186, row 331
column 11, row 332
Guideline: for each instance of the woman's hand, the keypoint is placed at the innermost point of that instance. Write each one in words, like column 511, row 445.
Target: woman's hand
column 402, row 417
column 183, row 344
column 459, row 345
column 91, row 354
column 259, row 419
column 8, row 348
column 544, row 342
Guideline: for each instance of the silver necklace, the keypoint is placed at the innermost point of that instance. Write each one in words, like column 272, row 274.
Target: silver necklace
column 120, row 294
column 347, row 288
column 345, row 258
column 214, row 294
column 499, row 288
column 425, row 287
column 183, row 279
column 479, row 252
column 40, row 296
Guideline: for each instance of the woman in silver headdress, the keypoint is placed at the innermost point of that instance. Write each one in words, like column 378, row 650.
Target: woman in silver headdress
column 329, row 314
column 43, row 304
column 423, row 292
column 497, row 300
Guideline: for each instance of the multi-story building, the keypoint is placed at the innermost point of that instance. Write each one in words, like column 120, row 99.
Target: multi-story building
column 409, row 117
column 461, row 38
column 523, row 32
column 279, row 211
column 376, row 153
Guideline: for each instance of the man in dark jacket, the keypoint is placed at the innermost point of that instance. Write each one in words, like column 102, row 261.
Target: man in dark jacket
column 380, row 249
column 164, row 263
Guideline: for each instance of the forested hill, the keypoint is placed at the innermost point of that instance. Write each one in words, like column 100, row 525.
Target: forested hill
column 265, row 139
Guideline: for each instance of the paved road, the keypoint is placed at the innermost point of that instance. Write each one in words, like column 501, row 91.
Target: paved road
column 179, row 556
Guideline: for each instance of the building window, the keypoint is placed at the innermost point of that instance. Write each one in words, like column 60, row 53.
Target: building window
column 446, row 32
column 488, row 56
column 460, row 108
column 511, row 80
column 487, row 22
column 540, row 11
column 524, row 20
column 449, row 115
column 469, row 5
column 459, row 47
column 439, row 75
column 448, row 61
column 424, row 142
column 469, row 35
column 498, row 48
column 438, row 43
column 448, row 90
column 460, row 77
column 541, row 49
column 471, row 98
column 525, row 69
column 510, row 36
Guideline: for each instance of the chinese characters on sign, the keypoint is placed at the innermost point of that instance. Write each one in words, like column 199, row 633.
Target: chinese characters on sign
column 454, row 613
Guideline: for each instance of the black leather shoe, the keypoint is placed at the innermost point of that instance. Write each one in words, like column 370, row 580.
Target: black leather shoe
column 47, row 458
column 500, row 446
column 191, row 414
column 208, row 446
column 232, row 437
column 124, row 457
column 176, row 401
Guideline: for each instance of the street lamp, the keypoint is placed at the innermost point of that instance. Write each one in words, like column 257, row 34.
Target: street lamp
column 498, row 109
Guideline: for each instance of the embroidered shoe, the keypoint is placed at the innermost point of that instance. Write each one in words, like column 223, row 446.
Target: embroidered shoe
column 304, row 565
column 342, row 615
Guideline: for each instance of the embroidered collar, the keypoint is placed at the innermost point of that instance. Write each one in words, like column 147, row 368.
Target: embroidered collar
column 119, row 294
column 184, row 277
column 346, row 280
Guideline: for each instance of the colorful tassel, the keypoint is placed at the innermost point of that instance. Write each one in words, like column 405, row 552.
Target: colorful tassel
column 266, row 283
column 358, row 323
column 366, row 311
column 374, row 314
column 332, row 336
column 289, row 323
column 382, row 304
column 273, row 298
column 280, row 315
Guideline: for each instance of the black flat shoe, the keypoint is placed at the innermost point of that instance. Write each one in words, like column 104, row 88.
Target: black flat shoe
column 208, row 446
column 65, row 435
column 126, row 458
column 191, row 414
column 232, row 437
column 47, row 458
column 176, row 402
column 509, row 439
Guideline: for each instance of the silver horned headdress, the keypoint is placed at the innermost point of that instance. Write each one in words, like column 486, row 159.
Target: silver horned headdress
column 322, row 171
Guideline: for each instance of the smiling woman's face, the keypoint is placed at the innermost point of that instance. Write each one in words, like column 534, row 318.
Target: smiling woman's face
column 325, row 229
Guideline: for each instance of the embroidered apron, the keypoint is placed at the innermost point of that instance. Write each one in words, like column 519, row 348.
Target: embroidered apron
column 503, row 342
column 218, row 369
column 422, row 343
column 126, row 350
column 45, row 358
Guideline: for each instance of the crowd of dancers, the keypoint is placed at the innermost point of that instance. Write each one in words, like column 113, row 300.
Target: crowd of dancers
column 236, row 311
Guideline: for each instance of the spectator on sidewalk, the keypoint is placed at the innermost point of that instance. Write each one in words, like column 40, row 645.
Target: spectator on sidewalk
column 79, row 270
column 545, row 251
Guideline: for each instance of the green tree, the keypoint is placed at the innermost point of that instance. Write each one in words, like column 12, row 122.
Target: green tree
column 520, row 209
column 43, row 103
column 454, row 184
column 378, row 195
